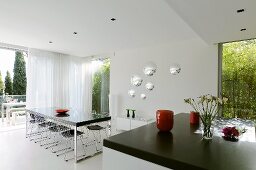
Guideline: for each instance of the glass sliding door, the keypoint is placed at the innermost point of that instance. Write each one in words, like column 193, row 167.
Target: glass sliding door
column 100, row 85
column 238, row 79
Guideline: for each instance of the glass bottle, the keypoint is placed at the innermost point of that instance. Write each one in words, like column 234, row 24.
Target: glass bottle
column 128, row 112
column 133, row 113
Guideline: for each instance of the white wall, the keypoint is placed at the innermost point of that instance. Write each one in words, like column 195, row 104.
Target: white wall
column 198, row 76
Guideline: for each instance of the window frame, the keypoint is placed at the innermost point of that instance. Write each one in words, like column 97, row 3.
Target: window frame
column 220, row 57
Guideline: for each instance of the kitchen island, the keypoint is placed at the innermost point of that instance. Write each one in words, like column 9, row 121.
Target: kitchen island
column 181, row 149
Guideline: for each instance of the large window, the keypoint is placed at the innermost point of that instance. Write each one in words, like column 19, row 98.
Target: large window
column 238, row 79
column 13, row 79
column 100, row 86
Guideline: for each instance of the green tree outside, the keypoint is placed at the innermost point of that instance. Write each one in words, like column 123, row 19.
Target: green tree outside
column 100, row 89
column 1, row 84
column 8, row 84
column 19, row 76
column 239, row 79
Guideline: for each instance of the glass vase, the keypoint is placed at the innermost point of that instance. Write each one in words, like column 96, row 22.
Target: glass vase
column 207, row 131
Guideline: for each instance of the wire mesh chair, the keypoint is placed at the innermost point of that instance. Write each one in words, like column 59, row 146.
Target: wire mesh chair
column 55, row 133
column 44, row 129
column 38, row 128
column 99, row 131
column 33, row 129
column 66, row 147
column 45, row 135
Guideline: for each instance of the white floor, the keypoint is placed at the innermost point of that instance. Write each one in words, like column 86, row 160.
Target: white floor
column 18, row 153
column 19, row 124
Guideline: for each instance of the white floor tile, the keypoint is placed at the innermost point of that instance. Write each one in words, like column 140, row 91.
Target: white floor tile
column 18, row 153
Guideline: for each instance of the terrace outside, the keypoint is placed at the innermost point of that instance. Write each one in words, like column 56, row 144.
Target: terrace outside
column 13, row 86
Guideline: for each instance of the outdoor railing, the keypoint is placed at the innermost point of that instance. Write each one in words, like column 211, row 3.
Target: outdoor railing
column 9, row 98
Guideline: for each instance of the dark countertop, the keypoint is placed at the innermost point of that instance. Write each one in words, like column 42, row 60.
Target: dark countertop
column 182, row 149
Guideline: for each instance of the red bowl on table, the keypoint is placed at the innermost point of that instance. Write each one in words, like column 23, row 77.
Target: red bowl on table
column 61, row 111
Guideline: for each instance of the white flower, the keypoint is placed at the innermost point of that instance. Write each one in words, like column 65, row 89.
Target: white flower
column 210, row 97
column 220, row 100
column 225, row 99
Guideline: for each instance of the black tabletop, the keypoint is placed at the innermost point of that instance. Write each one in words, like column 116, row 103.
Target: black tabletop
column 182, row 149
column 75, row 117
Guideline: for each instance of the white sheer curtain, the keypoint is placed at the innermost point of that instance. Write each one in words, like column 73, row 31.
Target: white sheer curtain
column 58, row 80
column 87, row 84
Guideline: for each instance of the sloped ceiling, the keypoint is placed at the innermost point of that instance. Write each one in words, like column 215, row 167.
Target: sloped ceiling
column 33, row 23
column 217, row 20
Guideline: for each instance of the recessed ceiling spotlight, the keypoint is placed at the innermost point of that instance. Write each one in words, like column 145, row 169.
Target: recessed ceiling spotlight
column 50, row 42
column 240, row 10
column 243, row 29
column 112, row 19
column 75, row 33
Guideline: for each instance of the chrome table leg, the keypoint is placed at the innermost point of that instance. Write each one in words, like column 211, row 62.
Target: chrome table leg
column 75, row 143
column 26, row 123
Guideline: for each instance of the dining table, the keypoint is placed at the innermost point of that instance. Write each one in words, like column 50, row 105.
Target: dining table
column 75, row 119
column 7, row 106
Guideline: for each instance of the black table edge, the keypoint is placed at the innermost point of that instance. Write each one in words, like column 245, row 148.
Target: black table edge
column 78, row 124
column 151, row 157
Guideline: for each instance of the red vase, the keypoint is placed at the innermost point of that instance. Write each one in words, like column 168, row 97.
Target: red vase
column 164, row 120
column 194, row 117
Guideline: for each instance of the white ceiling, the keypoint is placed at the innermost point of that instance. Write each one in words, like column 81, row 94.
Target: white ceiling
column 217, row 20
column 33, row 23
